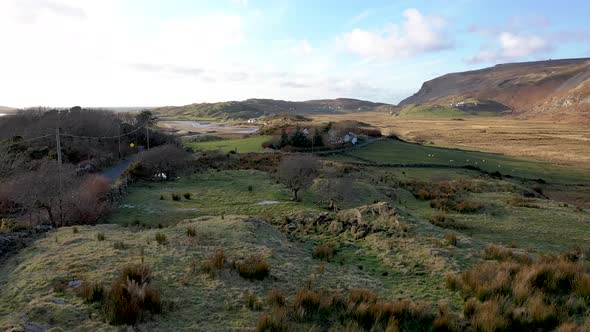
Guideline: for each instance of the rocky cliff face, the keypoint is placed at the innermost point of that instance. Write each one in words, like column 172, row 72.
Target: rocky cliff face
column 541, row 89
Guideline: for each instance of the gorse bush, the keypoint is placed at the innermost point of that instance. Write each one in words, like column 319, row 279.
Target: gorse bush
column 254, row 267
column 176, row 197
column 187, row 195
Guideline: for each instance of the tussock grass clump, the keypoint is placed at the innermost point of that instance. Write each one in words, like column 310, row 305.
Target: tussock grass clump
column 92, row 292
column 253, row 302
column 276, row 298
column 191, row 231
column 363, row 310
column 522, row 202
column 161, row 238
column 499, row 253
column 187, row 196
column 100, row 236
column 451, row 239
column 443, row 220
column 516, row 293
column 162, row 197
column 131, row 298
column 75, row 230
column 215, row 262
column 276, row 321
column 324, row 252
column 176, row 197
column 254, row 267
column 120, row 245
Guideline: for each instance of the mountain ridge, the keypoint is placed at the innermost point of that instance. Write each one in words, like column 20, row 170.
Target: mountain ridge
column 257, row 107
column 537, row 89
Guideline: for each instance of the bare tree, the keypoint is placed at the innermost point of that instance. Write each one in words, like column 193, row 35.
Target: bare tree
column 297, row 173
column 163, row 162
column 334, row 192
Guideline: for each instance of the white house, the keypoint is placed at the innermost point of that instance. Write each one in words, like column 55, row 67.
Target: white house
column 252, row 120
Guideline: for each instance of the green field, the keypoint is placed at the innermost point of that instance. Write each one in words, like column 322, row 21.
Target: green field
column 399, row 152
column 212, row 193
column 242, row 145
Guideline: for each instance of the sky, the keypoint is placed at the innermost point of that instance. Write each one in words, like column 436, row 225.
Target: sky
column 174, row 52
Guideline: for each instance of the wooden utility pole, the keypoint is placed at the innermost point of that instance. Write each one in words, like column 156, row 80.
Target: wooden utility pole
column 58, row 147
column 119, row 140
column 60, row 188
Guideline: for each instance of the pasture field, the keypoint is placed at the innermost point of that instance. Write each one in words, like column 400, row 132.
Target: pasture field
column 212, row 194
column 554, row 142
column 399, row 152
column 241, row 145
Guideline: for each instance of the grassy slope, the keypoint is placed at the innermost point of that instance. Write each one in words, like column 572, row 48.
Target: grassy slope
column 391, row 151
column 200, row 301
column 428, row 111
column 242, row 145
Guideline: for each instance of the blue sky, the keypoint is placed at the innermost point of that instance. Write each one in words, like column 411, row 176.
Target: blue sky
column 155, row 52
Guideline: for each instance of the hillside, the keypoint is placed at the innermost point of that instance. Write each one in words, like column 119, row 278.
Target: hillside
column 541, row 89
column 253, row 108
column 6, row 110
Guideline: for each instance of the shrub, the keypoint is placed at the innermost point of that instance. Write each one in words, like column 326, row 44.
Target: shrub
column 252, row 268
column 119, row 245
column 250, row 188
column 176, row 197
column 187, row 195
column 131, row 298
column 161, row 238
column 191, row 231
column 100, row 237
column 451, row 238
column 162, row 197
column 75, row 230
column 324, row 252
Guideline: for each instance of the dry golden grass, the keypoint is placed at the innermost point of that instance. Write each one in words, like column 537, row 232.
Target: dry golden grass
column 560, row 143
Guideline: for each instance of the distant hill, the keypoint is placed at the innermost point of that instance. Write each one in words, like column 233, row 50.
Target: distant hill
column 541, row 89
column 7, row 110
column 254, row 108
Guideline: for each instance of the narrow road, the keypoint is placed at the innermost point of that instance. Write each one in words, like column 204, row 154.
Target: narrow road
column 114, row 172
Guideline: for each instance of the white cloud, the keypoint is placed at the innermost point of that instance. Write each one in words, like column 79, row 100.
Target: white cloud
column 361, row 16
column 302, row 48
column 418, row 34
column 513, row 46
column 240, row 2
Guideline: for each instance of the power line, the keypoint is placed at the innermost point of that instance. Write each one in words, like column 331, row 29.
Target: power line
column 27, row 140
column 105, row 137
